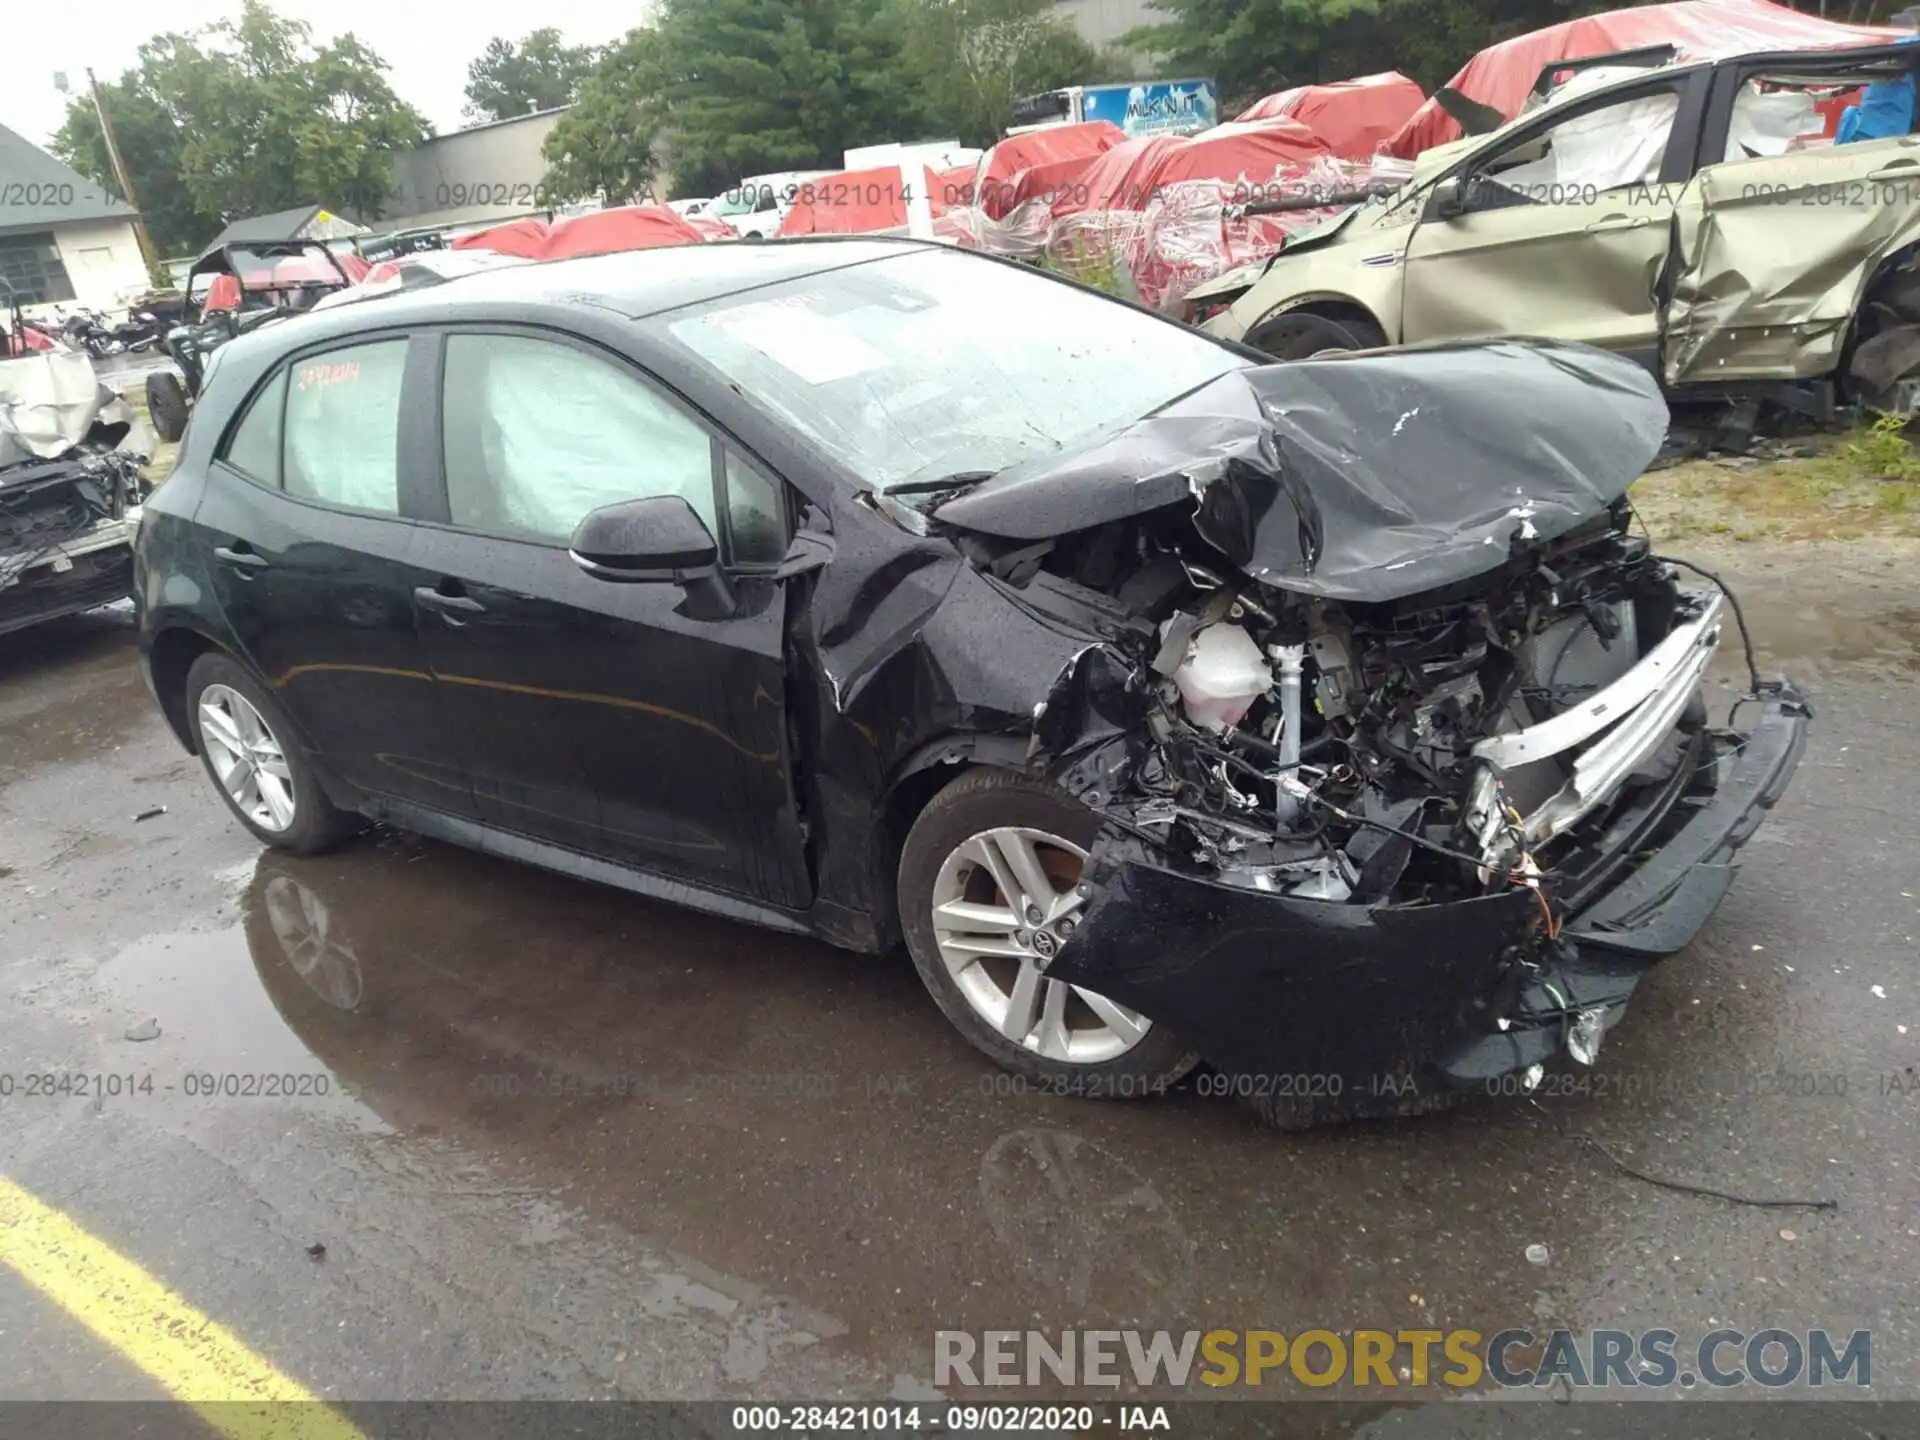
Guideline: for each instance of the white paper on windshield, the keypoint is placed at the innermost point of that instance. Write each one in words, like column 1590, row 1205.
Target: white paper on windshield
column 814, row 347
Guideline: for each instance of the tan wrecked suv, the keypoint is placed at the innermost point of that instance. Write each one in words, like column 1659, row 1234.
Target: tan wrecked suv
column 1692, row 217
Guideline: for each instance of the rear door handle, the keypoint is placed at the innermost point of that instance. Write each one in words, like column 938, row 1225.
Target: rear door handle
column 241, row 558
column 1898, row 170
column 1620, row 222
column 448, row 605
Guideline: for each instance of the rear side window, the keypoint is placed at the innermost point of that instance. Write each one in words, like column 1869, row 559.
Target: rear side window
column 539, row 433
column 254, row 448
column 343, row 426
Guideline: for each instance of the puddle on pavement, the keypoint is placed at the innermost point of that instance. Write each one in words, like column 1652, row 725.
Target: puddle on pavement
column 69, row 690
column 1821, row 641
column 802, row 1119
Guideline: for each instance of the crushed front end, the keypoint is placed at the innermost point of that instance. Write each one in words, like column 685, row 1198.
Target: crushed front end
column 71, row 452
column 1400, row 810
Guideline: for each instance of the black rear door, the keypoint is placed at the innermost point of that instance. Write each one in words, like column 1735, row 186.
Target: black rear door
column 312, row 565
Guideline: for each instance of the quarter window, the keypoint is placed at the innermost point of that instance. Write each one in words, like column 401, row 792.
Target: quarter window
column 756, row 518
column 538, row 434
column 343, row 426
column 254, row 449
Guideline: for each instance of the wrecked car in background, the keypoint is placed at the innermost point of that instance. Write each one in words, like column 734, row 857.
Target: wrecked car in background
column 1323, row 721
column 70, row 489
column 234, row 289
column 1699, row 219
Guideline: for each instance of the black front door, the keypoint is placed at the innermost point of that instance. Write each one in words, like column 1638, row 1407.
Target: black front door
column 599, row 715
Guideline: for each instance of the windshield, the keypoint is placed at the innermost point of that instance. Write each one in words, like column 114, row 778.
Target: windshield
column 936, row 363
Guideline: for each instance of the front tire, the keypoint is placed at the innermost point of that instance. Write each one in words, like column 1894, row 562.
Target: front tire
column 249, row 750
column 1305, row 336
column 987, row 885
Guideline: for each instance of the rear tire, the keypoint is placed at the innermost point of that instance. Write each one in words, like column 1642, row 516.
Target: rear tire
column 167, row 405
column 952, row 859
column 253, row 757
column 1302, row 336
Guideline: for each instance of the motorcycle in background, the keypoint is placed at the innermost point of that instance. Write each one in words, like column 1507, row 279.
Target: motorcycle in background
column 87, row 330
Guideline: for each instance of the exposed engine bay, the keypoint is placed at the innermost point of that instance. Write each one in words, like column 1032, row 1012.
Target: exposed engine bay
column 1395, row 729
column 1331, row 750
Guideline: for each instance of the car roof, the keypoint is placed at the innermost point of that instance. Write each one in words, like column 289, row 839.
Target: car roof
column 636, row 283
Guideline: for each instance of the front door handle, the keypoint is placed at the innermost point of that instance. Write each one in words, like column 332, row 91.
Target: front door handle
column 1619, row 222
column 240, row 558
column 1897, row 170
column 448, row 605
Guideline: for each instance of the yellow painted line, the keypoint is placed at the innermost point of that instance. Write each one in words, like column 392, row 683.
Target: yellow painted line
column 198, row 1362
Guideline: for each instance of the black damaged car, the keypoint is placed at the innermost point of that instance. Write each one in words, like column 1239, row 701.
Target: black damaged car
column 1322, row 721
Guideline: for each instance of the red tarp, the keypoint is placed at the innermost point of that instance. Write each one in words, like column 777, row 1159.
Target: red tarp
column 517, row 237
column 712, row 227
column 1041, row 162
column 1354, row 117
column 598, row 232
column 629, row 227
column 1129, row 175
column 953, row 188
column 867, row 202
column 1502, row 75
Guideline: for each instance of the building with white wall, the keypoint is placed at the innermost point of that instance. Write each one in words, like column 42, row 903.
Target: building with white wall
column 477, row 176
column 63, row 240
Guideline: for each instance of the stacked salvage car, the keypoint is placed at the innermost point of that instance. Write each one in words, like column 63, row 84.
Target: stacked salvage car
column 70, row 489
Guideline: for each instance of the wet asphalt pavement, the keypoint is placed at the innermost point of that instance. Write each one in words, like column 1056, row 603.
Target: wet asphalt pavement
column 559, row 1142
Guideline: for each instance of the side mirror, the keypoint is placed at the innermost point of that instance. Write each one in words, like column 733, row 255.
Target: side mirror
column 657, row 540
column 1449, row 199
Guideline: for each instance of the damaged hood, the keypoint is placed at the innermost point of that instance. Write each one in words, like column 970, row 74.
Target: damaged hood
column 1361, row 478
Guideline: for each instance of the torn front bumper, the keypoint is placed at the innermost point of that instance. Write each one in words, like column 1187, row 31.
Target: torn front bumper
column 1356, row 1001
column 92, row 569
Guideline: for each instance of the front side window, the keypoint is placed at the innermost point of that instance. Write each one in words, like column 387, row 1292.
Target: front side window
column 539, row 433
column 1582, row 157
column 935, row 363
column 343, row 426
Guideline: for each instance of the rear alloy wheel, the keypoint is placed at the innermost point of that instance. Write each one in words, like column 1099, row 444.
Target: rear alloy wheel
column 246, row 758
column 988, row 894
column 247, row 745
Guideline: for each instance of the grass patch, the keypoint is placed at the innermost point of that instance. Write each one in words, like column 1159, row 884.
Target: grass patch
column 1862, row 484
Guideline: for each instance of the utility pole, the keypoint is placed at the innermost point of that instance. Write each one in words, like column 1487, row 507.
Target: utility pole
column 154, row 272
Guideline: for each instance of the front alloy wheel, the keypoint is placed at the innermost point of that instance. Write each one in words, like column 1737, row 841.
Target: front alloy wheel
column 988, row 893
column 1004, row 903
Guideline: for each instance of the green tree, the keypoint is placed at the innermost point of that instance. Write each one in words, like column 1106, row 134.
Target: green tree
column 971, row 59
column 1254, row 47
column 150, row 140
column 756, row 85
column 244, row 117
column 541, row 72
column 606, row 143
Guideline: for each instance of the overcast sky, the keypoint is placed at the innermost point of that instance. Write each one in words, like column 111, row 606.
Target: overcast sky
column 426, row 43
